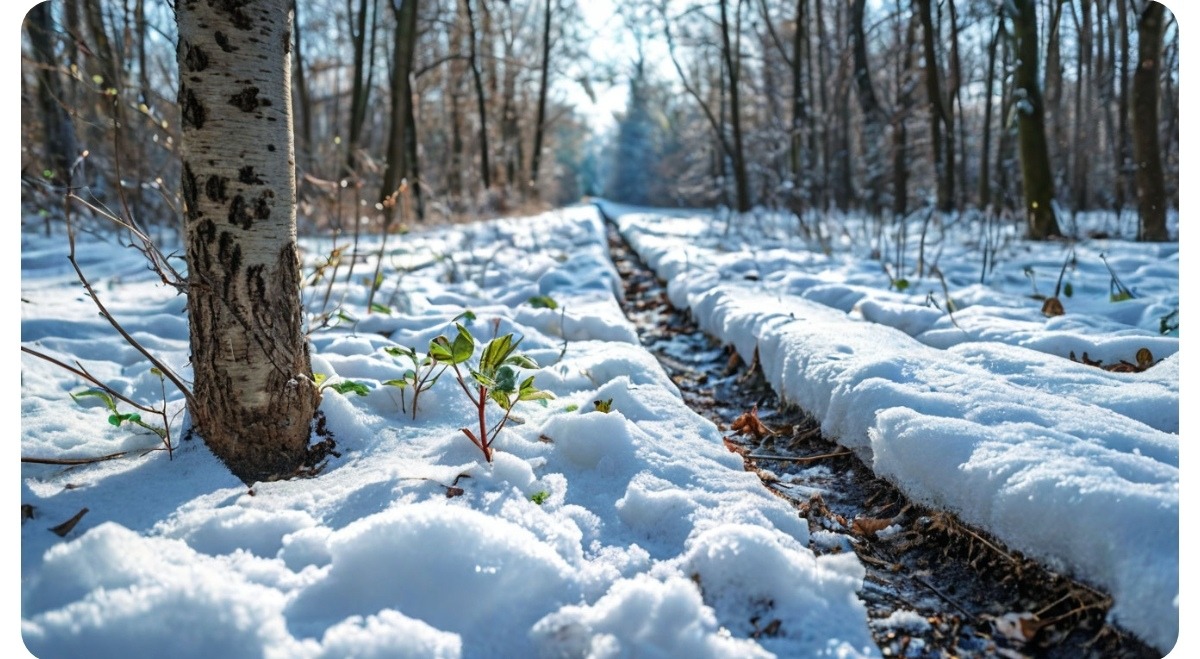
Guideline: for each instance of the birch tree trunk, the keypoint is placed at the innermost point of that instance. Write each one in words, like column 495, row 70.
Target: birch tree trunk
column 254, row 397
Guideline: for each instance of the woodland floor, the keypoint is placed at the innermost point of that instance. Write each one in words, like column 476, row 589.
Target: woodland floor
column 934, row 587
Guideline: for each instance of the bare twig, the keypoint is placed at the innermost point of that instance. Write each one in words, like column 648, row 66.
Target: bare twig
column 811, row 458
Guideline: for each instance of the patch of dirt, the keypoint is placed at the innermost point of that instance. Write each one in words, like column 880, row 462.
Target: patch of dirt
column 934, row 587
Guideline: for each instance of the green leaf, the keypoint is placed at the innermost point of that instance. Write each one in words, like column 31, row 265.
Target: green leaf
column 97, row 393
column 571, row 408
column 522, row 361
column 603, row 405
column 379, row 308
column 350, row 386
column 502, row 399
column 901, row 284
column 116, row 419
column 399, row 351
column 1120, row 296
column 466, row 315
column 464, row 344
column 483, row 379
column 506, row 380
column 441, row 350
column 540, row 497
column 400, row 384
column 543, row 302
column 1068, row 289
column 154, row 370
column 495, row 352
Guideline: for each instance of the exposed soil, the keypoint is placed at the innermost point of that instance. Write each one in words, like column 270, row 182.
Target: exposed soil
column 959, row 592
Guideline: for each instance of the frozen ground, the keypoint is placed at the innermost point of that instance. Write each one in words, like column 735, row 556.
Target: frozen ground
column 631, row 533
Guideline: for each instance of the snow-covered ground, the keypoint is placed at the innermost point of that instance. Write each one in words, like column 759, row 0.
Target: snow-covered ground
column 628, row 533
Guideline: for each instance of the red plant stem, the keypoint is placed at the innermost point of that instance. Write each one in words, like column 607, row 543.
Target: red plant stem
column 486, row 444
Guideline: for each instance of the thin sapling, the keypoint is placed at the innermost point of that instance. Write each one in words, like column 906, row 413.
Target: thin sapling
column 494, row 378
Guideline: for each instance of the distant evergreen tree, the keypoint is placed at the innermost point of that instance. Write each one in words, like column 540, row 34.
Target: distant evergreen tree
column 635, row 158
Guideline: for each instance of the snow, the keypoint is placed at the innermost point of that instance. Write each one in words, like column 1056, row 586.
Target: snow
column 628, row 533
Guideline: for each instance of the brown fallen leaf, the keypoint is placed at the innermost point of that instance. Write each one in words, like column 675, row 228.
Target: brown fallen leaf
column 749, row 424
column 1145, row 359
column 734, row 447
column 1052, row 307
column 869, row 526
column 453, row 491
column 63, row 529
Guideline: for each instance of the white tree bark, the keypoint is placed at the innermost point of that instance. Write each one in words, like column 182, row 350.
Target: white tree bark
column 255, row 398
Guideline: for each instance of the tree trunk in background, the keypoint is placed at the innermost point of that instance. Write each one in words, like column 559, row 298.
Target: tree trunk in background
column 799, row 157
column 1147, row 158
column 360, row 87
column 398, row 167
column 305, row 148
column 58, row 133
column 733, row 65
column 1036, row 181
column 904, row 102
column 872, row 134
column 1124, row 157
column 543, row 91
column 481, row 99
column 985, row 175
column 1052, row 96
column 1082, row 136
column 943, row 170
column 254, row 397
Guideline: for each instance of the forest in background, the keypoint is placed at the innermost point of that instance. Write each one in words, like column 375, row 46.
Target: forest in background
column 462, row 109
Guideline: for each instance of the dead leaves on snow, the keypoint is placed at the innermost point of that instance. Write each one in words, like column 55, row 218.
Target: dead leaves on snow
column 1144, row 359
column 749, row 424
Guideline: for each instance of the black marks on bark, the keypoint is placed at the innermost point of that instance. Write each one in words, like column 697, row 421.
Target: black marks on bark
column 271, row 148
column 188, row 183
column 256, row 283
column 195, row 59
column 239, row 212
column 214, row 187
column 192, row 110
column 223, row 42
column 243, row 213
column 236, row 10
column 204, row 234
column 229, row 254
column 262, row 205
column 247, row 175
column 247, row 100
column 287, row 42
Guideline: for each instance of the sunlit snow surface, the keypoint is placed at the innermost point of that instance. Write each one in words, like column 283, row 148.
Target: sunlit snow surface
column 980, row 413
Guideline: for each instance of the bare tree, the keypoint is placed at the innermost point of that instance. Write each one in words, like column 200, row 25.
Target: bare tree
column 1147, row 158
column 1037, row 183
column 58, row 133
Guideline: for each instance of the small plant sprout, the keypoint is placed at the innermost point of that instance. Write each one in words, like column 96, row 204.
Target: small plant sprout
column 341, row 386
column 603, row 405
column 494, row 378
column 540, row 497
column 422, row 376
column 116, row 417
column 1117, row 292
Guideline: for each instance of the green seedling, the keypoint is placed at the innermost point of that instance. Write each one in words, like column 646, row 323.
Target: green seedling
column 116, row 417
column 422, row 376
column 1117, row 292
column 604, row 405
column 492, row 378
column 543, row 302
column 540, row 497
column 341, row 386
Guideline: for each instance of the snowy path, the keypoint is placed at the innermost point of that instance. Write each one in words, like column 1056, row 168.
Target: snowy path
column 1036, row 451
